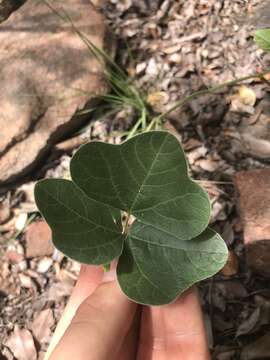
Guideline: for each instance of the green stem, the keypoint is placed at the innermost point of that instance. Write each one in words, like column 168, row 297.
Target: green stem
column 106, row 267
column 199, row 93
column 143, row 116
column 155, row 120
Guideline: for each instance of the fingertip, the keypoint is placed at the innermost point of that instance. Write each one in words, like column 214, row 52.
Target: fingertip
column 99, row 325
column 176, row 329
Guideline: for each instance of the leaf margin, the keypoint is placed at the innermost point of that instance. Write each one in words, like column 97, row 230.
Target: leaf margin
column 59, row 238
column 128, row 255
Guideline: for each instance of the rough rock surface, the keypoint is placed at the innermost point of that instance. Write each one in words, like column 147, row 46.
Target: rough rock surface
column 38, row 240
column 8, row 6
column 254, row 190
column 47, row 75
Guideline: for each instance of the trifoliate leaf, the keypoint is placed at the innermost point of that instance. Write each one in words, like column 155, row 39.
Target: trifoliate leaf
column 168, row 248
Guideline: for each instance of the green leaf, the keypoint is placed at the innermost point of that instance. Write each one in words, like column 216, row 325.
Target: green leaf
column 262, row 39
column 168, row 248
column 147, row 177
column 83, row 229
column 156, row 267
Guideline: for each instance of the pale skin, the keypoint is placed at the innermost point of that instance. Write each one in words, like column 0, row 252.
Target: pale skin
column 101, row 323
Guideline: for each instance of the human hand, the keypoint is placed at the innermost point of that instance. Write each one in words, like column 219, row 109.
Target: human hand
column 101, row 323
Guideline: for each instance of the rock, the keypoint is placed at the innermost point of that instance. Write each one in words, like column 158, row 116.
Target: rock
column 4, row 210
column 8, row 6
column 47, row 75
column 38, row 240
column 254, row 190
column 21, row 222
column 44, row 265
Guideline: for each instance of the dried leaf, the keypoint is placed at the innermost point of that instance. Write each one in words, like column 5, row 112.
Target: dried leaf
column 257, row 350
column 258, row 318
column 208, row 165
column 26, row 281
column 59, row 290
column 250, row 324
column 157, row 99
column 247, row 95
column 231, row 267
column 256, row 147
column 21, row 344
column 42, row 324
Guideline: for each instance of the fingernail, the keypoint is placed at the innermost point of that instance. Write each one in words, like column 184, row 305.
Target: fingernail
column 109, row 276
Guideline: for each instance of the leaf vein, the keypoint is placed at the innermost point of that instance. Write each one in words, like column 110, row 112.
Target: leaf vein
column 78, row 214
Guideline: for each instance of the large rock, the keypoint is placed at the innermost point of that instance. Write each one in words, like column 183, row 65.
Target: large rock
column 8, row 6
column 47, row 75
column 254, row 190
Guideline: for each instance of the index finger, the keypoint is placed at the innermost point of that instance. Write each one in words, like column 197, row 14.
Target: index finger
column 174, row 331
column 89, row 278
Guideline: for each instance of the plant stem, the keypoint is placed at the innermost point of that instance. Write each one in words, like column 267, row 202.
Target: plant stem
column 106, row 267
column 199, row 93
column 267, row 82
column 126, row 224
column 210, row 90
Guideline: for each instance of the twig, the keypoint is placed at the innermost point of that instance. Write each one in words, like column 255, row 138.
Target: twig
column 199, row 93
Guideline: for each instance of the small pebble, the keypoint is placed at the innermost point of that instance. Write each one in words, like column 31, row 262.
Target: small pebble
column 26, row 281
column 21, row 222
column 44, row 265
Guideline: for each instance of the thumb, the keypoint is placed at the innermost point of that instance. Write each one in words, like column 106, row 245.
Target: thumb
column 99, row 326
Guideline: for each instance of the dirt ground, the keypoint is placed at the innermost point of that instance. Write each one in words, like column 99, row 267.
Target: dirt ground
column 171, row 49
